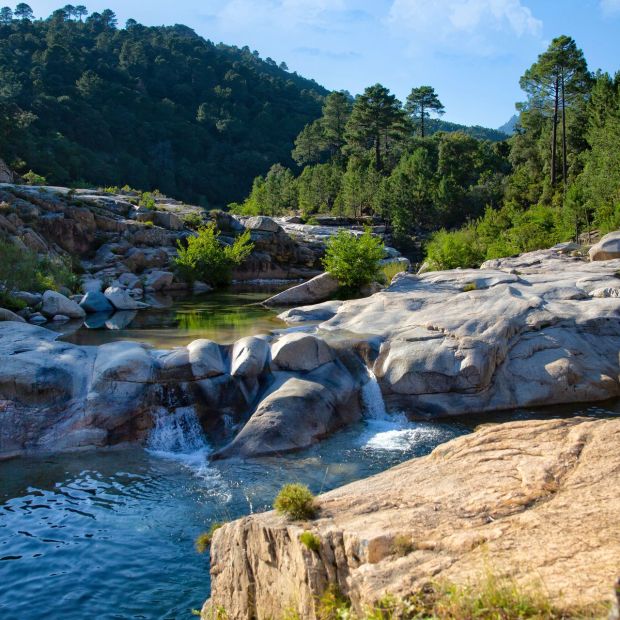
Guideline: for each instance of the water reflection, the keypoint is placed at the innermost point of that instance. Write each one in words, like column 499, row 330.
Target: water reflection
column 175, row 321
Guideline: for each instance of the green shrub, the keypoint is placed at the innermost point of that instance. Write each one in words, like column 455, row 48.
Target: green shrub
column 449, row 250
column 203, row 541
column 310, row 541
column 296, row 502
column 389, row 270
column 206, row 259
column 333, row 605
column 193, row 221
column 24, row 270
column 32, row 178
column 147, row 201
column 354, row 260
column 11, row 303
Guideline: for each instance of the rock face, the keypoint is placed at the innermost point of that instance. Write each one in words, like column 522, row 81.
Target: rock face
column 531, row 500
column 318, row 289
column 607, row 248
column 518, row 332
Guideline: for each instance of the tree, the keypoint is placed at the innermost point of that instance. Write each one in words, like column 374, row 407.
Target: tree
column 420, row 103
column 309, row 144
column 553, row 83
column 69, row 10
column 81, row 11
column 23, row 11
column 336, row 113
column 108, row 18
column 6, row 15
column 377, row 121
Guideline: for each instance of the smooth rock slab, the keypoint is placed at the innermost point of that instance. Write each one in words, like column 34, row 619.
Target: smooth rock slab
column 249, row 356
column 319, row 288
column 122, row 300
column 300, row 352
column 607, row 248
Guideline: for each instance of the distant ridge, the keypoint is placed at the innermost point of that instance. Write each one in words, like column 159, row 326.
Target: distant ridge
column 509, row 127
column 476, row 131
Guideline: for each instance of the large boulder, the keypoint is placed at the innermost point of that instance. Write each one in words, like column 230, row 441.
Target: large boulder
column 607, row 248
column 158, row 280
column 122, row 300
column 297, row 412
column 317, row 312
column 318, row 289
column 94, row 302
column 262, row 223
column 536, row 502
column 54, row 303
column 249, row 357
column 300, row 352
column 7, row 315
column 205, row 358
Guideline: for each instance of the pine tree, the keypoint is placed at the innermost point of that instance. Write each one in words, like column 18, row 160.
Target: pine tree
column 420, row 103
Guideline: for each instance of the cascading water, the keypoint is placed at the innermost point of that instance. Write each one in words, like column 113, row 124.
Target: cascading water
column 177, row 435
column 390, row 431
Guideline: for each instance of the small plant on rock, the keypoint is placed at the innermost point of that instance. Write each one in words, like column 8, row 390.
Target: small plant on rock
column 310, row 541
column 402, row 545
column 296, row 502
column 203, row 542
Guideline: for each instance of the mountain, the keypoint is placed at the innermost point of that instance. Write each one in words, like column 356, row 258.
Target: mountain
column 151, row 107
column 509, row 127
column 434, row 125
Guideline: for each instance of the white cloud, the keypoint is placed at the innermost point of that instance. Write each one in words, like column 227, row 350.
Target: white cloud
column 610, row 7
column 470, row 24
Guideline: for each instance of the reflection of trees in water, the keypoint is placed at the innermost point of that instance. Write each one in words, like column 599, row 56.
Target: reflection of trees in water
column 219, row 318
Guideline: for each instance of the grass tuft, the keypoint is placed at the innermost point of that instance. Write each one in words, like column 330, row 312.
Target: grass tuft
column 310, row 541
column 203, row 542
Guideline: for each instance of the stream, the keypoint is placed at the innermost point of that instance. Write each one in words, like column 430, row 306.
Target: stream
column 109, row 534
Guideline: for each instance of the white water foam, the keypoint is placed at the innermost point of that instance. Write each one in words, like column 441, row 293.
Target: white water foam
column 389, row 431
column 178, row 436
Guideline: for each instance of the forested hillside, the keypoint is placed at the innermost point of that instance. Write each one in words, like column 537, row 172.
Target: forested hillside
column 556, row 177
column 83, row 101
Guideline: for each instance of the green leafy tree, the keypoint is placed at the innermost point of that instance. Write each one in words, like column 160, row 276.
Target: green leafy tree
column 206, row 259
column 354, row 260
column 360, row 189
column 421, row 102
column 81, row 11
column 318, row 188
column 336, row 113
column 377, row 123
column 310, row 144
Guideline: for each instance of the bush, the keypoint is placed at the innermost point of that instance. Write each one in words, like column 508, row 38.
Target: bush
column 147, row 201
column 193, row 221
column 207, row 260
column 24, row 270
column 449, row 250
column 32, row 178
column 310, row 541
column 354, row 260
column 296, row 502
column 203, row 542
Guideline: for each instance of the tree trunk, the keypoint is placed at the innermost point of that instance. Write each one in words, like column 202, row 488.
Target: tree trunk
column 554, row 138
column 564, row 162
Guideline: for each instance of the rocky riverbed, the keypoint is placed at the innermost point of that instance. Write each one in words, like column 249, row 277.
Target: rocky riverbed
column 540, row 329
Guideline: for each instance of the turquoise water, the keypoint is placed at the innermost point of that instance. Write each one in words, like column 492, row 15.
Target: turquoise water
column 109, row 535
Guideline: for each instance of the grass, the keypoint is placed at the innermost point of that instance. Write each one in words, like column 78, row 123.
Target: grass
column 402, row 545
column 470, row 286
column 203, row 541
column 296, row 502
column 390, row 270
column 310, row 541
column 494, row 598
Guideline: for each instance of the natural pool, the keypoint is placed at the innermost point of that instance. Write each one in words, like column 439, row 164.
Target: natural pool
column 223, row 316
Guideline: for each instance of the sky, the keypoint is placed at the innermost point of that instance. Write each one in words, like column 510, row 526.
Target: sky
column 471, row 51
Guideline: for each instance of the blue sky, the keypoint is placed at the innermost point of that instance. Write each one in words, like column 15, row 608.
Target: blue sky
column 472, row 51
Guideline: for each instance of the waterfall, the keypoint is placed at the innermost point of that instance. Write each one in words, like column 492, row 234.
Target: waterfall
column 177, row 432
column 372, row 398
